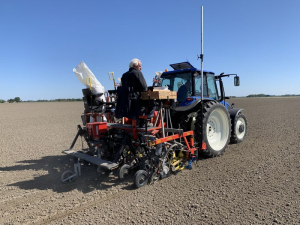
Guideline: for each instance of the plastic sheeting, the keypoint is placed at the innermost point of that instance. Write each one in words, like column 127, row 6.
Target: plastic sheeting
column 83, row 72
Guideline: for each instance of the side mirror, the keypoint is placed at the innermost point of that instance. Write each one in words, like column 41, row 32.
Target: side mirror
column 236, row 81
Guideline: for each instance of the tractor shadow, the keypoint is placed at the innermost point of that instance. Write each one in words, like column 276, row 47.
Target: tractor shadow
column 52, row 168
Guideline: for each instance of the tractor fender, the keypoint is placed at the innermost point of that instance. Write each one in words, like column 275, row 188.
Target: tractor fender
column 187, row 107
column 233, row 113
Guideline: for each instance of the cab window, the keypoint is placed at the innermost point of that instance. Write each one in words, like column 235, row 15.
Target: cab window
column 212, row 91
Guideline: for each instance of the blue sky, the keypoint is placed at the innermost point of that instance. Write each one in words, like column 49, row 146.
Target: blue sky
column 42, row 41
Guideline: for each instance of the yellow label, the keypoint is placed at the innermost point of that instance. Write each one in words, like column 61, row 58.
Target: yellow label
column 158, row 142
column 169, row 138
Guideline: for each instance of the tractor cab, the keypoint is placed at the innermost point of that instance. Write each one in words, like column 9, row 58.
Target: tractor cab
column 185, row 73
column 213, row 120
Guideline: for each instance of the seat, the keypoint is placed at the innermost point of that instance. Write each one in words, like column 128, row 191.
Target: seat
column 90, row 102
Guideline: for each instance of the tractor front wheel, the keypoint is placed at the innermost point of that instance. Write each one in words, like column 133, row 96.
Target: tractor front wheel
column 239, row 129
column 216, row 128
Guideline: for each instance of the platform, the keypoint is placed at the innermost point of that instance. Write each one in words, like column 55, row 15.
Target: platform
column 92, row 159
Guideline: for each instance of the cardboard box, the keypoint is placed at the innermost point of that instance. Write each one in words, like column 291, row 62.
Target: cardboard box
column 161, row 94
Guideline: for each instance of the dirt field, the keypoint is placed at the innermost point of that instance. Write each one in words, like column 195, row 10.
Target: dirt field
column 255, row 182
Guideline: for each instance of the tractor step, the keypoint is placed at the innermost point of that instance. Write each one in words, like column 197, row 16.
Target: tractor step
column 129, row 127
column 92, row 159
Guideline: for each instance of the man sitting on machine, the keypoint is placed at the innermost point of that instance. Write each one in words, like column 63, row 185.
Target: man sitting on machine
column 133, row 83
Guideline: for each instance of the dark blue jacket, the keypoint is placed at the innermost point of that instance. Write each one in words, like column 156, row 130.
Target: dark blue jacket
column 128, row 103
column 134, row 78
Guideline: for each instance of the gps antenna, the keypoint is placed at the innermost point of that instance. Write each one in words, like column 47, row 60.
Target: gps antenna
column 203, row 146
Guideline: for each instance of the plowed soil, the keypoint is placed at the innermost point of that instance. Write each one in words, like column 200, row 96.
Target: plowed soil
column 254, row 182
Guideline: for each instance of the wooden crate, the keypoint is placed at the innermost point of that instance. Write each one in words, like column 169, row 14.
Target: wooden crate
column 161, row 94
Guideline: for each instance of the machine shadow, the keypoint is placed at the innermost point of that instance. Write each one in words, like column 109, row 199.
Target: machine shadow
column 54, row 166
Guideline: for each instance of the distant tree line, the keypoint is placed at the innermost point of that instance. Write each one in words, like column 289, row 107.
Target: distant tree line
column 18, row 99
column 58, row 100
column 264, row 95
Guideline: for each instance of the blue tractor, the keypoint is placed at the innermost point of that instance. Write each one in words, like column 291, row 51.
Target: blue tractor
column 215, row 122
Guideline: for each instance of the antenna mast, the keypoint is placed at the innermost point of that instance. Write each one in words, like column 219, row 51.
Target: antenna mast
column 201, row 57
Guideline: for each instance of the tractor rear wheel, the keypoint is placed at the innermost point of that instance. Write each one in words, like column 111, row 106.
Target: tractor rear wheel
column 239, row 129
column 216, row 128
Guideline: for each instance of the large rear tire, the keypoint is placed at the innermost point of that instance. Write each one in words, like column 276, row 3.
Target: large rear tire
column 239, row 129
column 216, row 128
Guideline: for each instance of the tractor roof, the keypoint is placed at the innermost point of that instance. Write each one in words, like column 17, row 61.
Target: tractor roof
column 184, row 67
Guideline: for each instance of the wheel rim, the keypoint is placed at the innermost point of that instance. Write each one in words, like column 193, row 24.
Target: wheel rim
column 240, row 133
column 217, row 129
column 142, row 179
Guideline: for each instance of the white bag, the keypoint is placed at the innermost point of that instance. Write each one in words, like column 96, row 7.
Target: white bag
column 82, row 72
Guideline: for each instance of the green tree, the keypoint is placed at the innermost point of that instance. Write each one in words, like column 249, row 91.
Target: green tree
column 2, row 101
column 17, row 99
column 11, row 100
